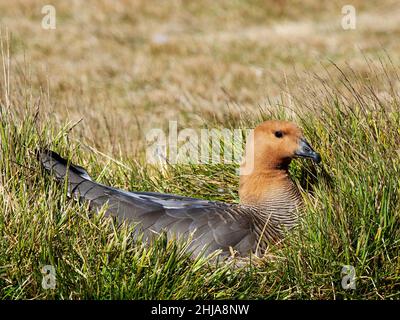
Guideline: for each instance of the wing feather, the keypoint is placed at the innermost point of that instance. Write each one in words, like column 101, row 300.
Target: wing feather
column 215, row 225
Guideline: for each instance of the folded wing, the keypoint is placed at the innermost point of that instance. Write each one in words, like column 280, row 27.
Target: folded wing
column 213, row 225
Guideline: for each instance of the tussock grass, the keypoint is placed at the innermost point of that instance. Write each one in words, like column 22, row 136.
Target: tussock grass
column 223, row 66
column 352, row 213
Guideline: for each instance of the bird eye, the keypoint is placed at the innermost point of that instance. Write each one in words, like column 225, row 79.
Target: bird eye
column 278, row 134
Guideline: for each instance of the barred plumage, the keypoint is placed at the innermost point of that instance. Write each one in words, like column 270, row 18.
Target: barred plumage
column 270, row 201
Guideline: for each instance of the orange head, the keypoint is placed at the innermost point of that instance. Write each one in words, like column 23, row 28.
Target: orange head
column 269, row 151
column 273, row 144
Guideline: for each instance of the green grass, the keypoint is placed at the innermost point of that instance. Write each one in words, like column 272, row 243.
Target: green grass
column 352, row 208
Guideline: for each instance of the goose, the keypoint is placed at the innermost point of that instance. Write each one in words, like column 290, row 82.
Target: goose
column 270, row 202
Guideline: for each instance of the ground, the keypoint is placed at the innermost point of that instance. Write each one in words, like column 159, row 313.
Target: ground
column 93, row 87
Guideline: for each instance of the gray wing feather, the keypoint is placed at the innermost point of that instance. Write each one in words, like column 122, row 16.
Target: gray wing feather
column 214, row 225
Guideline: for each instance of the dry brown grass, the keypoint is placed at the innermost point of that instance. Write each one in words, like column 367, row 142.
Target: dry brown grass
column 126, row 66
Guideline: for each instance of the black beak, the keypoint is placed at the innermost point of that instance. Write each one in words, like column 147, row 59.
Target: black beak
column 305, row 151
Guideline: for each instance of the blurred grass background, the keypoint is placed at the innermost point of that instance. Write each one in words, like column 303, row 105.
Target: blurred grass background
column 112, row 70
column 113, row 63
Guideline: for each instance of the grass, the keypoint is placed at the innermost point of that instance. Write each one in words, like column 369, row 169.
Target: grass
column 349, row 109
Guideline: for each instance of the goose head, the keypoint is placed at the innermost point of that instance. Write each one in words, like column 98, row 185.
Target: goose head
column 270, row 148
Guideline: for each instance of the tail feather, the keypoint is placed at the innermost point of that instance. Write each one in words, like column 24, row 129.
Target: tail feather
column 123, row 204
column 59, row 166
column 79, row 181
